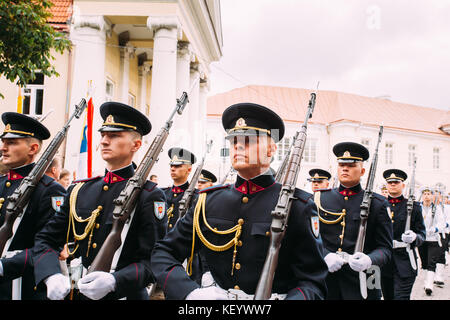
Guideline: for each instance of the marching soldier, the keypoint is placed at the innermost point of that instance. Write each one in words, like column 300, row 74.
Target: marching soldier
column 181, row 161
column 206, row 180
column 230, row 225
column 398, row 276
column 21, row 142
column 86, row 219
column 320, row 179
column 339, row 215
column 430, row 250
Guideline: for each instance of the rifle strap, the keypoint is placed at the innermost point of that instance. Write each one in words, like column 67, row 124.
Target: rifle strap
column 237, row 229
column 89, row 229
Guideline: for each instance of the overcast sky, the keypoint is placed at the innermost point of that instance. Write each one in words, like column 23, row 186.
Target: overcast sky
column 398, row 48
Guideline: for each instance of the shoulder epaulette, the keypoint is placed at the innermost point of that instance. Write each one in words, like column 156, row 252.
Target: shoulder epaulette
column 212, row 188
column 87, row 179
column 303, row 195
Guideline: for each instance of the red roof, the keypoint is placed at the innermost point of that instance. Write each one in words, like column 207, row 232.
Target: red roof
column 61, row 12
column 332, row 107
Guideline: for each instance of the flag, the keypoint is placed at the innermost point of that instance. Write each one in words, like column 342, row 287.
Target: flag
column 85, row 156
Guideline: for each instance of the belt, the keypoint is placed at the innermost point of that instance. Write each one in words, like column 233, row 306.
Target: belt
column 399, row 244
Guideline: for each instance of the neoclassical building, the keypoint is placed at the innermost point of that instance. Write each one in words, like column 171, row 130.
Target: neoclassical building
column 143, row 53
column 409, row 131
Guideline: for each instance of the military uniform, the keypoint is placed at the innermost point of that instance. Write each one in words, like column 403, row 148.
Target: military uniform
column 233, row 232
column 87, row 212
column 339, row 214
column 47, row 198
column 398, row 276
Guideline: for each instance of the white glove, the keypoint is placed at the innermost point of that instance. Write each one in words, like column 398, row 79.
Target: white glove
column 409, row 236
column 58, row 286
column 97, row 284
column 209, row 293
column 207, row 279
column 359, row 262
column 334, row 262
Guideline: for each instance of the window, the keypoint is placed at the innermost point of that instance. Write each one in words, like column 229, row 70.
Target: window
column 436, row 158
column 309, row 154
column 411, row 154
column 33, row 96
column 109, row 95
column 131, row 100
column 283, row 148
column 389, row 153
column 365, row 142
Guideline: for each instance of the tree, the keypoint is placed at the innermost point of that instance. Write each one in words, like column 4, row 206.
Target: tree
column 26, row 40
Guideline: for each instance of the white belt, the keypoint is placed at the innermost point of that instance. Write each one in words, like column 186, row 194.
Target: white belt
column 399, row 244
column 234, row 294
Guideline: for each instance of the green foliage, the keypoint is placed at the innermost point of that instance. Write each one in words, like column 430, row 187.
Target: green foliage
column 26, row 40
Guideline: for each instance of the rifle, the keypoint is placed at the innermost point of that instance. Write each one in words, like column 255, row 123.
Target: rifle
column 224, row 179
column 280, row 214
column 185, row 201
column 364, row 213
column 125, row 203
column 409, row 209
column 282, row 168
column 21, row 196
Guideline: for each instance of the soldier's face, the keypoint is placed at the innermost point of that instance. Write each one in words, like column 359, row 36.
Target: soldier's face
column 203, row 184
column 322, row 184
column 117, row 147
column 18, row 152
column 350, row 173
column 427, row 197
column 180, row 172
column 247, row 152
column 395, row 188
column 385, row 193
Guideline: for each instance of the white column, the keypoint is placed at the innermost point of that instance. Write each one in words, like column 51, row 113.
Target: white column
column 202, row 115
column 88, row 36
column 126, row 53
column 196, row 144
column 166, row 32
column 143, row 70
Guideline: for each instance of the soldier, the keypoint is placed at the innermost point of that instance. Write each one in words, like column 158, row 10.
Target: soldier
column 206, row 180
column 339, row 214
column 440, row 263
column 86, row 219
column 21, row 142
column 384, row 191
column 429, row 251
column 181, row 161
column 230, row 225
column 398, row 276
column 320, row 179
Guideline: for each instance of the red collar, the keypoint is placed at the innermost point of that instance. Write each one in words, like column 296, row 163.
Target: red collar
column 12, row 175
column 347, row 192
column 112, row 178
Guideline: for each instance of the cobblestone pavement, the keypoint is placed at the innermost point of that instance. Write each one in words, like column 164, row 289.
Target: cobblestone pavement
column 418, row 292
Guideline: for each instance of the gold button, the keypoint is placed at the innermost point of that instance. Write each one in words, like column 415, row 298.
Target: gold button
column 237, row 266
column 97, row 225
column 345, row 198
column 239, row 243
column 341, row 236
column 170, row 225
column 244, row 200
column 8, row 184
column 105, row 188
column 241, row 221
column 237, row 287
column 35, row 288
column 94, row 245
column 267, row 233
column 175, row 195
column 393, row 204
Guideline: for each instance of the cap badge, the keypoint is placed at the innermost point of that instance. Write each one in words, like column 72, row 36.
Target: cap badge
column 316, row 175
column 392, row 175
column 8, row 127
column 110, row 119
column 347, row 154
column 240, row 122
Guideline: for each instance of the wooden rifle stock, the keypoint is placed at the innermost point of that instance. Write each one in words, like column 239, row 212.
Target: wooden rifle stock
column 21, row 196
column 125, row 203
column 280, row 214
